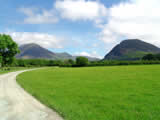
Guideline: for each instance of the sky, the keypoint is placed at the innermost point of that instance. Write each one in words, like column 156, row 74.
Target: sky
column 80, row 27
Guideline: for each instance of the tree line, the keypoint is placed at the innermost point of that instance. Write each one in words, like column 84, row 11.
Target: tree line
column 83, row 61
column 80, row 61
column 77, row 63
column 151, row 57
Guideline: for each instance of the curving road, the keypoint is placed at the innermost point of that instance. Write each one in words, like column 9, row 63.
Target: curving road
column 16, row 104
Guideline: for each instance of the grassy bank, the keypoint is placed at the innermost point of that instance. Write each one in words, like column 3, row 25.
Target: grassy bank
column 98, row 93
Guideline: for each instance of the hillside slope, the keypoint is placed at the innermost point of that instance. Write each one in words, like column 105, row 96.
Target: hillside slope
column 131, row 49
column 32, row 51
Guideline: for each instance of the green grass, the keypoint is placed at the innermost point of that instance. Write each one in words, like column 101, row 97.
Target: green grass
column 137, row 54
column 98, row 93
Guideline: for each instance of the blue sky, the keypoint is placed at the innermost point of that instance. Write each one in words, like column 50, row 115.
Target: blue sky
column 71, row 26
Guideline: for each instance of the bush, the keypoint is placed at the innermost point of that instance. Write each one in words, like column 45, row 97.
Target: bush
column 81, row 61
column 149, row 57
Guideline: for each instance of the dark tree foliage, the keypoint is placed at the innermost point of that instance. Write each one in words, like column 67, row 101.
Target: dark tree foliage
column 151, row 57
column 81, row 61
column 157, row 56
column 37, row 62
column 70, row 61
column 8, row 49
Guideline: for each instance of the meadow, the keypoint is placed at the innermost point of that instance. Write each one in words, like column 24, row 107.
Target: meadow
column 98, row 93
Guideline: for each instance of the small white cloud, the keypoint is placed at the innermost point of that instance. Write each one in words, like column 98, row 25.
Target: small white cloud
column 93, row 54
column 43, row 39
column 80, row 9
column 34, row 16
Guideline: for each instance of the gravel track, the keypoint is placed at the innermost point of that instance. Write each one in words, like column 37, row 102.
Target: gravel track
column 16, row 104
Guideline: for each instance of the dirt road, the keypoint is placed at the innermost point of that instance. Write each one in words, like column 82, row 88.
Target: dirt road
column 16, row 104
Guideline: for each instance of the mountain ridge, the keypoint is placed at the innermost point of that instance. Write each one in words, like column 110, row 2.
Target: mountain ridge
column 35, row 51
column 32, row 51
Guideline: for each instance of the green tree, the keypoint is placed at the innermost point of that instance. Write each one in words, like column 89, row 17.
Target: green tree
column 157, row 56
column 82, row 61
column 71, row 61
column 149, row 57
column 8, row 49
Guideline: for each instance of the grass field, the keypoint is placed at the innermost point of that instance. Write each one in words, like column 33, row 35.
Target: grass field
column 98, row 93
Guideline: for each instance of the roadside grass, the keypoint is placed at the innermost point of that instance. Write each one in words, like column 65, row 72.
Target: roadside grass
column 98, row 93
column 11, row 69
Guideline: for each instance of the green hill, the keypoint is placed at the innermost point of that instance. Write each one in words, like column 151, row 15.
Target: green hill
column 131, row 49
column 35, row 51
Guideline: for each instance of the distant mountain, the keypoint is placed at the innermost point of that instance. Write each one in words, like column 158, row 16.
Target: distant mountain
column 131, row 49
column 32, row 51
column 35, row 51
column 63, row 56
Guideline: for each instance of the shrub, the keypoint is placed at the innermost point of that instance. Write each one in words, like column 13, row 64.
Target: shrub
column 81, row 61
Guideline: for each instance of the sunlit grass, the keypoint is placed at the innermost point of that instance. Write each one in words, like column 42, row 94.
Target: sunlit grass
column 98, row 93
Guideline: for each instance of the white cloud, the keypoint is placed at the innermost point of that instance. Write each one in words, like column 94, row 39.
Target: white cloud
column 92, row 54
column 134, row 19
column 67, row 9
column 80, row 9
column 34, row 16
column 43, row 39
